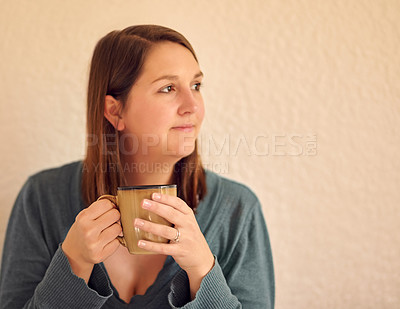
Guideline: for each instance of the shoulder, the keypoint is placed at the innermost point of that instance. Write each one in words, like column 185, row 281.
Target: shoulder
column 51, row 192
column 217, row 184
column 229, row 195
column 50, row 185
column 58, row 177
column 65, row 172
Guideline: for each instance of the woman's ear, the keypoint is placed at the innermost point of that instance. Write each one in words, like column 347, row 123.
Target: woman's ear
column 112, row 111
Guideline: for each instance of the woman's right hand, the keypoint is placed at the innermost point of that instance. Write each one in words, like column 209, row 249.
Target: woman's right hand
column 92, row 238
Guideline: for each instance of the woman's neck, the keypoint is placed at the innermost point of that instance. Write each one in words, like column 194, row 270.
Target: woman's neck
column 148, row 173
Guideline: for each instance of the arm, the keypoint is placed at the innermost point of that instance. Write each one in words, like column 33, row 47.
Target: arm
column 35, row 275
column 244, row 280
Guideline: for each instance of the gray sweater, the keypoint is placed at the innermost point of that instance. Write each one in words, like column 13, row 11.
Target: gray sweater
column 35, row 273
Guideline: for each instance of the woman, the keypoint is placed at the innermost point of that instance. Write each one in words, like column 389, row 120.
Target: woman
column 144, row 114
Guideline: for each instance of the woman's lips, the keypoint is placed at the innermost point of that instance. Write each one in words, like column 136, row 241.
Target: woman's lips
column 187, row 128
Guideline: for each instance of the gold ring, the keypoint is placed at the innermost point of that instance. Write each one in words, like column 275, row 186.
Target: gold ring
column 178, row 234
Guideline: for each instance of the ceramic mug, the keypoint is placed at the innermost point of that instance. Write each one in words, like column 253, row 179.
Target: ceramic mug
column 129, row 203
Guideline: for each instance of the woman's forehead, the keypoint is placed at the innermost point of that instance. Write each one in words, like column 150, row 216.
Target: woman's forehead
column 169, row 59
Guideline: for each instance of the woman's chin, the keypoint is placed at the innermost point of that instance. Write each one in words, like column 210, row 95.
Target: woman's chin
column 182, row 153
column 180, row 150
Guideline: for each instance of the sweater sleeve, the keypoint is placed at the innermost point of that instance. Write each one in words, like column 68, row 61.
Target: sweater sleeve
column 214, row 291
column 35, row 275
column 246, row 280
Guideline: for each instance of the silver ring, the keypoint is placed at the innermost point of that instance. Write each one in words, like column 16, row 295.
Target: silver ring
column 178, row 234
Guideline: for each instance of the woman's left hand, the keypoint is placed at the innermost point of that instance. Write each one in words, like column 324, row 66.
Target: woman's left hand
column 191, row 251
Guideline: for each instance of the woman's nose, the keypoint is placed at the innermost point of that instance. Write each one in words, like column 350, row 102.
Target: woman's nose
column 189, row 103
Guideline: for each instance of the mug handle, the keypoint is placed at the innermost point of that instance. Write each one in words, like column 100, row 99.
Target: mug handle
column 113, row 199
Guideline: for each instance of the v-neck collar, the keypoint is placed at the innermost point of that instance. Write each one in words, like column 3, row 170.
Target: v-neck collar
column 167, row 272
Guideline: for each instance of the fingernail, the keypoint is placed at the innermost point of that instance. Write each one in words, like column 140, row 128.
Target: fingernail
column 141, row 243
column 139, row 222
column 146, row 204
column 156, row 196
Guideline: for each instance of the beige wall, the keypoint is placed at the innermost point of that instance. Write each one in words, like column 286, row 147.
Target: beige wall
column 303, row 105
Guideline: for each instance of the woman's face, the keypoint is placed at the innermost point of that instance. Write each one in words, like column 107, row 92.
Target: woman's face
column 165, row 109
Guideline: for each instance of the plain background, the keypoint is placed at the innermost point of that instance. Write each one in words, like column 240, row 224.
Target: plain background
column 302, row 105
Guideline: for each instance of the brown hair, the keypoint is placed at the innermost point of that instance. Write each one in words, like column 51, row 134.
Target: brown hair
column 116, row 64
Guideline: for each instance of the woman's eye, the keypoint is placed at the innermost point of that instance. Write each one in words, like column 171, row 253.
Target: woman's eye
column 167, row 89
column 196, row 86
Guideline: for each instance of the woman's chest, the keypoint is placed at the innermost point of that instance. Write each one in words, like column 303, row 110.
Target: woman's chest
column 133, row 274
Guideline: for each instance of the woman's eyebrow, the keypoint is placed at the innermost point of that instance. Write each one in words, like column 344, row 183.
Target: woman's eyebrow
column 175, row 77
column 200, row 74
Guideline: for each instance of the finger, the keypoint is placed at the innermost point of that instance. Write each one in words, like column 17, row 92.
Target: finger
column 107, row 219
column 121, row 233
column 98, row 208
column 172, row 201
column 110, row 233
column 110, row 248
column 160, row 248
column 167, row 212
column 156, row 229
